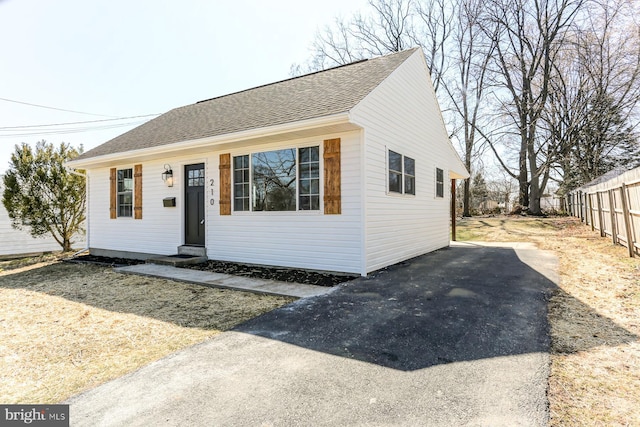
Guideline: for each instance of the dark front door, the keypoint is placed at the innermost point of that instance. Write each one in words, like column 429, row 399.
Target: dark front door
column 194, row 204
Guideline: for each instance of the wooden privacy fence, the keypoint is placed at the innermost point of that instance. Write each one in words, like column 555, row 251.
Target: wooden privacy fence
column 611, row 207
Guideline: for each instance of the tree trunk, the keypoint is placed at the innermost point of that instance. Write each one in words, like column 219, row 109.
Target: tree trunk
column 534, row 187
column 466, row 199
column 523, row 177
column 534, row 198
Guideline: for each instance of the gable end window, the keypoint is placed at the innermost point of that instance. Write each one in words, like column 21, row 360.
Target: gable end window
column 439, row 182
column 125, row 193
column 279, row 180
column 402, row 174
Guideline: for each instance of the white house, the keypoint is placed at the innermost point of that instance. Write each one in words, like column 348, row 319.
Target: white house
column 343, row 170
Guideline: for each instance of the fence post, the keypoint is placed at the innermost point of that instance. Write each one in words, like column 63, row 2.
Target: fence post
column 627, row 219
column 580, row 206
column 612, row 212
column 590, row 211
column 600, row 218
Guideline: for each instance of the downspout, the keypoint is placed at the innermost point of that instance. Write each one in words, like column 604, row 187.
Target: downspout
column 86, row 178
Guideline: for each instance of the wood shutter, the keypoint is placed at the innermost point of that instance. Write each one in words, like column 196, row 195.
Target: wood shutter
column 332, row 180
column 137, row 192
column 113, row 188
column 225, row 184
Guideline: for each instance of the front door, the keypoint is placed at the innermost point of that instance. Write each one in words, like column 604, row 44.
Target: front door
column 194, row 204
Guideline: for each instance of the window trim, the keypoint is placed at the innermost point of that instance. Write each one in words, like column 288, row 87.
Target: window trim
column 316, row 144
column 402, row 174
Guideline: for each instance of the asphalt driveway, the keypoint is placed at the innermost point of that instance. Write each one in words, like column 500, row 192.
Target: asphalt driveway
column 455, row 337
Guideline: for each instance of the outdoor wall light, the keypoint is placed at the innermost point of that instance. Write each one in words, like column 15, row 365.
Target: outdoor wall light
column 167, row 175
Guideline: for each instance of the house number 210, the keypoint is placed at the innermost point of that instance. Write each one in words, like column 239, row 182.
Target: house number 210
column 211, row 200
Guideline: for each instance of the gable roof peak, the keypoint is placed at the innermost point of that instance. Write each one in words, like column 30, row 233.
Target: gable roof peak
column 311, row 96
column 311, row 73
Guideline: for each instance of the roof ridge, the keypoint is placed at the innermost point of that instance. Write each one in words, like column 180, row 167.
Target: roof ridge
column 359, row 61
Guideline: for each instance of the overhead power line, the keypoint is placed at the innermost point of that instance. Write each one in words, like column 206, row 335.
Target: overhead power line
column 27, row 127
column 52, row 108
column 72, row 130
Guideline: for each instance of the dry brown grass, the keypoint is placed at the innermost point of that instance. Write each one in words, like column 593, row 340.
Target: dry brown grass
column 594, row 319
column 66, row 327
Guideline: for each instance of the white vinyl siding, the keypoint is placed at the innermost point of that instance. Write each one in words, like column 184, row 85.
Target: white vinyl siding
column 303, row 239
column 402, row 115
column 161, row 230
column 299, row 239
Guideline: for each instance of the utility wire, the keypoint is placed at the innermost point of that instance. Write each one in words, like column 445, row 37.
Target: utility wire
column 52, row 108
column 72, row 130
column 26, row 127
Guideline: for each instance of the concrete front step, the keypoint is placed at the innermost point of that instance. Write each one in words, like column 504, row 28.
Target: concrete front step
column 178, row 260
column 200, row 251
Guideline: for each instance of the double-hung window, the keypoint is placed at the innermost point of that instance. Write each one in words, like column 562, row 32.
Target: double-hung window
column 309, row 167
column 439, row 182
column 402, row 173
column 279, row 180
column 125, row 192
column 241, row 183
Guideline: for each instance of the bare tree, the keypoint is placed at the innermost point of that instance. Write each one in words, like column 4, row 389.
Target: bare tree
column 529, row 34
column 388, row 28
column 471, row 51
column 436, row 25
column 603, row 64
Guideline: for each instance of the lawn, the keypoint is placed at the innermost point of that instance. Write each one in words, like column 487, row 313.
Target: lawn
column 594, row 318
column 66, row 327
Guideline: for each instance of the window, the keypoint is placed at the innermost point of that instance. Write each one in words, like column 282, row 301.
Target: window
column 268, row 181
column 309, row 170
column 439, row 183
column 241, row 183
column 409, row 176
column 195, row 178
column 125, row 193
column 395, row 172
column 402, row 174
column 274, row 180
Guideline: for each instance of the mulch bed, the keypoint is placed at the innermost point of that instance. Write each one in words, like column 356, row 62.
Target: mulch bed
column 291, row 275
column 103, row 260
column 275, row 273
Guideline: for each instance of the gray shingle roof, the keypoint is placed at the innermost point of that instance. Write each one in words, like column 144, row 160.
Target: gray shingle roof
column 315, row 95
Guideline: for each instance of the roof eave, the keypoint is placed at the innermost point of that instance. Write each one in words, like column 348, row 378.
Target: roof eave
column 312, row 127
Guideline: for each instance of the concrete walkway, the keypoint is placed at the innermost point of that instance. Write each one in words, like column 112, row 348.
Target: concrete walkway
column 219, row 280
column 457, row 337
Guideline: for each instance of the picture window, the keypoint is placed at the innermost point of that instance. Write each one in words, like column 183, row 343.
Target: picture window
column 279, row 180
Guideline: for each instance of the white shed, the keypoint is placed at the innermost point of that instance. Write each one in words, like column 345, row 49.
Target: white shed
column 345, row 170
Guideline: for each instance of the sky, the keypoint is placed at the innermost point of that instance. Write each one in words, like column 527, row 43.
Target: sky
column 102, row 60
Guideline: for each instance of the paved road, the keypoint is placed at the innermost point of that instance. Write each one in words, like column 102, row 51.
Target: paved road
column 455, row 337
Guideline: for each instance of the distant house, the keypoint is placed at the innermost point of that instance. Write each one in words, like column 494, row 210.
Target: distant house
column 342, row 170
column 17, row 243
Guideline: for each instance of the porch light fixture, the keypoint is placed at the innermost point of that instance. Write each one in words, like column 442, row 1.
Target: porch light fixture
column 167, row 175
